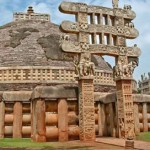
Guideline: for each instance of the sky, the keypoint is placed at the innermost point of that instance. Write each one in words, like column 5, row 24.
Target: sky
column 141, row 22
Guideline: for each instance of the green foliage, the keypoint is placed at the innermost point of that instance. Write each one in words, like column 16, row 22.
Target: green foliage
column 144, row 136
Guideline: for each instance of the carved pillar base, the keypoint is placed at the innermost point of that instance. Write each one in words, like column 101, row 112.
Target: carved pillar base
column 129, row 144
column 86, row 110
column 125, row 109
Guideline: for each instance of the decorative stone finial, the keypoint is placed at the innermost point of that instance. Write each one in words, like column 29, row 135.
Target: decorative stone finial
column 115, row 3
column 30, row 10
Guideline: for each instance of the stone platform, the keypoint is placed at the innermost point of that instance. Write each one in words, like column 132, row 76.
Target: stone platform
column 121, row 142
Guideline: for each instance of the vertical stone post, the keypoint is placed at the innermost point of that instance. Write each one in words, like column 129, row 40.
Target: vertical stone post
column 100, row 131
column 100, row 19
column 17, row 122
column 38, row 125
column 103, row 116
column 102, row 37
column 2, row 118
column 125, row 109
column 136, row 118
column 87, row 110
column 93, row 18
column 63, row 120
column 126, row 61
column 112, row 120
column 145, row 121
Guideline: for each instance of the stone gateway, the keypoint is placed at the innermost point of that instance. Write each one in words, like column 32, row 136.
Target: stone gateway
column 55, row 85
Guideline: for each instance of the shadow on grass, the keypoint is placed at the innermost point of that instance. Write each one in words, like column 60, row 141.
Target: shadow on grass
column 52, row 148
column 69, row 148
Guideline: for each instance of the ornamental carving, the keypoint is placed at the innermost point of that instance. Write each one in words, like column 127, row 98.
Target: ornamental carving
column 84, row 46
column 120, row 30
column 85, row 67
column 115, row 3
column 122, row 127
column 83, row 26
column 122, row 70
column 112, row 39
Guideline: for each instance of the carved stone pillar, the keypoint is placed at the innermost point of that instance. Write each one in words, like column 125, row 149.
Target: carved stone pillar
column 112, row 120
column 100, row 131
column 103, row 115
column 101, row 19
column 145, row 121
column 102, row 38
column 38, row 125
column 93, row 18
column 86, row 110
column 2, row 118
column 136, row 118
column 63, row 120
column 85, row 69
column 110, row 39
column 17, row 122
column 125, row 109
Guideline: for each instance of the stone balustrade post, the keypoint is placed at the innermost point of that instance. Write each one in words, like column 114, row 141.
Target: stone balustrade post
column 17, row 122
column 136, row 118
column 103, row 116
column 38, row 124
column 145, row 121
column 112, row 119
column 100, row 130
column 2, row 118
column 63, row 120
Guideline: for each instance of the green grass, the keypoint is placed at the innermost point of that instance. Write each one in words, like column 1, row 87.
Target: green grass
column 26, row 144
column 22, row 143
column 144, row 136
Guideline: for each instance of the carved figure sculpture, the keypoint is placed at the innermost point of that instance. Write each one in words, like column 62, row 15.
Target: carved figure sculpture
column 63, row 38
column 84, row 68
column 121, row 70
column 121, row 126
column 131, row 133
column 74, row 26
column 130, row 24
column 115, row 3
column 127, row 7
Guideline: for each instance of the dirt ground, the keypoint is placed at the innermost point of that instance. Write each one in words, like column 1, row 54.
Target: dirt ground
column 75, row 145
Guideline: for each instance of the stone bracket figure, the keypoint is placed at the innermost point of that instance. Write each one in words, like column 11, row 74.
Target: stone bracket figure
column 121, row 70
column 84, row 68
column 115, row 3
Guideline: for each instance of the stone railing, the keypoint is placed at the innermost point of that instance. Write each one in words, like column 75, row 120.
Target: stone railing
column 47, row 74
column 108, row 117
column 59, row 102
column 33, row 16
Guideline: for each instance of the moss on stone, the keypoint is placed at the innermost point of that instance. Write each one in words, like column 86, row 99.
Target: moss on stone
column 19, row 35
column 50, row 44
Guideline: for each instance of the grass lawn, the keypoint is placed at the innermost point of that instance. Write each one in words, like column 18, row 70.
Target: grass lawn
column 144, row 136
column 27, row 144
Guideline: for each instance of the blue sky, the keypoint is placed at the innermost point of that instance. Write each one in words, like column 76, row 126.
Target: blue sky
column 142, row 21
